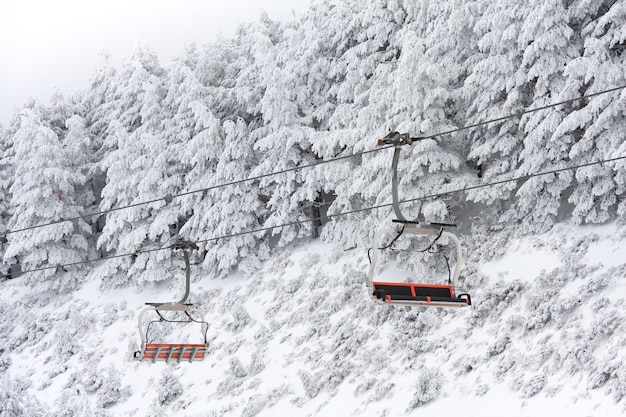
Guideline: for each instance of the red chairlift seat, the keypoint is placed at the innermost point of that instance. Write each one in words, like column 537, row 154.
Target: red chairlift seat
column 172, row 352
column 430, row 295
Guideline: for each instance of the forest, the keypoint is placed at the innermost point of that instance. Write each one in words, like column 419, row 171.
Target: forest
column 283, row 95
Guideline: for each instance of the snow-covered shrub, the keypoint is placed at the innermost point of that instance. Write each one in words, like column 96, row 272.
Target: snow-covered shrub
column 515, row 321
column 498, row 347
column 254, row 384
column 233, row 346
column 595, row 283
column 481, row 390
column 229, row 386
column 465, row 365
column 494, row 301
column 293, row 285
column 170, row 387
column 15, row 401
column 503, row 367
column 35, row 328
column 618, row 387
column 234, row 379
column 427, row 388
column 262, row 335
column 364, row 386
column 599, row 378
column 257, row 363
column 241, row 319
column 74, row 402
column 276, row 393
column 66, row 344
column 236, row 368
column 5, row 362
column 254, row 405
column 230, row 301
column 606, row 324
column 68, row 338
column 539, row 318
column 91, row 379
column 381, row 390
column 578, row 356
column 532, row 386
column 309, row 383
column 334, row 374
column 110, row 316
column 110, row 391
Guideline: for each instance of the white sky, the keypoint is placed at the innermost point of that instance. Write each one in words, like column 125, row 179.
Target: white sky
column 48, row 43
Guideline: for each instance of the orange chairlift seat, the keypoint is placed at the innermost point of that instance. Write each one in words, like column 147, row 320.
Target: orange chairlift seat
column 172, row 312
column 413, row 294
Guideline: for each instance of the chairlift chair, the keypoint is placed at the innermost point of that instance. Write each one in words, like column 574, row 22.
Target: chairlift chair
column 173, row 312
column 417, row 294
column 413, row 294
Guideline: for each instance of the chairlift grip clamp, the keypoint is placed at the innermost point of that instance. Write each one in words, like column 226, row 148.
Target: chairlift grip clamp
column 396, row 139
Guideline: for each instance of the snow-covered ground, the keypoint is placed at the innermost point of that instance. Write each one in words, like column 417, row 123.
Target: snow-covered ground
column 301, row 337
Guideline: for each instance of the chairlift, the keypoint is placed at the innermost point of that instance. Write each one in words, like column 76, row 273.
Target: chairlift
column 413, row 294
column 178, row 312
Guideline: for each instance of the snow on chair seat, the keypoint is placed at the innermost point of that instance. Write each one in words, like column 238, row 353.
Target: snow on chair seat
column 172, row 351
column 432, row 295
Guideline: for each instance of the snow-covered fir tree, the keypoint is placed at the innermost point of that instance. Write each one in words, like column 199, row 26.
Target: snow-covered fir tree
column 47, row 177
column 5, row 184
column 138, row 166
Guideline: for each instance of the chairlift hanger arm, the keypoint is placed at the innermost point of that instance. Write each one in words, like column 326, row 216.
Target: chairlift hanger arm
column 397, row 140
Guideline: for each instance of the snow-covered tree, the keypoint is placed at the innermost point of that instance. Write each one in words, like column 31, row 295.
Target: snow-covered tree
column 16, row 401
column 231, row 210
column 599, row 124
column 47, row 178
column 548, row 44
column 5, row 184
column 414, row 62
column 138, row 168
column 492, row 90
column 170, row 388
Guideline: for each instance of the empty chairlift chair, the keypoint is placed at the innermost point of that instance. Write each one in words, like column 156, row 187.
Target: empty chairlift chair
column 413, row 294
column 173, row 312
column 183, row 313
column 418, row 293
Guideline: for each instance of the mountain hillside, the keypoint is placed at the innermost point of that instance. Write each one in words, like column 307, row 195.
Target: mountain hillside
column 302, row 337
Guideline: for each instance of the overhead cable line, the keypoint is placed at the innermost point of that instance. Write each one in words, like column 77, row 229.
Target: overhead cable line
column 326, row 161
column 200, row 190
column 522, row 113
column 330, row 216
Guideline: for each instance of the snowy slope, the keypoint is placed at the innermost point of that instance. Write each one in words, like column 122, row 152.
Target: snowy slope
column 301, row 337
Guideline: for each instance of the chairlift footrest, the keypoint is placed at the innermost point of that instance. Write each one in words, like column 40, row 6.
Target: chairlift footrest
column 434, row 224
column 419, row 294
